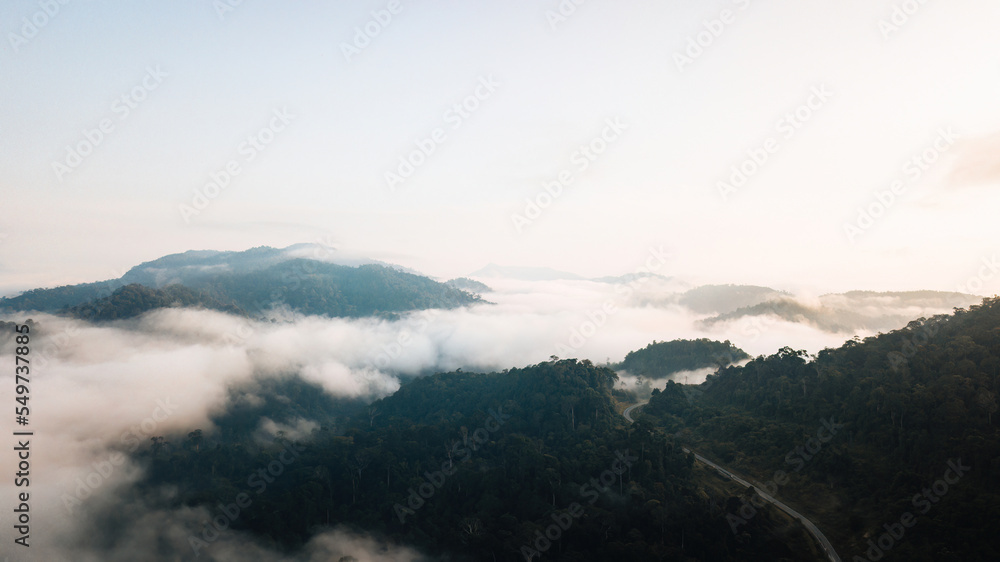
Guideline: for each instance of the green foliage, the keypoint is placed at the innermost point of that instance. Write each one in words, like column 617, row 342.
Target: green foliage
column 59, row 298
column 312, row 287
column 302, row 285
column 659, row 360
column 909, row 401
column 562, row 432
column 134, row 300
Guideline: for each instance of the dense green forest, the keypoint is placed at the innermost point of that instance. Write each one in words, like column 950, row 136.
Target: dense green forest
column 132, row 300
column 60, row 298
column 470, row 466
column 312, row 287
column 470, row 285
column 911, row 406
column 659, row 360
column 887, row 443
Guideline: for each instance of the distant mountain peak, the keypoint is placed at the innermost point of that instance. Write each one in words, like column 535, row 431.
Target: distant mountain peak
column 308, row 278
column 523, row 273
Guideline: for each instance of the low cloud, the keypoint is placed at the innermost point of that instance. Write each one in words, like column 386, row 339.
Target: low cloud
column 101, row 390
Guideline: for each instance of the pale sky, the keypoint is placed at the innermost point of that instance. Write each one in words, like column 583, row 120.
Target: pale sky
column 334, row 112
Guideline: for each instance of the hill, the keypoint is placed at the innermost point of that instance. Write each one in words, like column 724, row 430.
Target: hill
column 659, row 360
column 255, row 282
column 467, row 466
column 866, row 433
column 854, row 310
column 134, row 299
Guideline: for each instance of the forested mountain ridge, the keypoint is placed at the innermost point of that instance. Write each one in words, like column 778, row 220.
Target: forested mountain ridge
column 851, row 311
column 909, row 405
column 134, row 299
column 472, row 466
column 252, row 282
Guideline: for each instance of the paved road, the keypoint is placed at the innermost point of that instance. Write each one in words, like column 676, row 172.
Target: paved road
column 628, row 411
column 809, row 525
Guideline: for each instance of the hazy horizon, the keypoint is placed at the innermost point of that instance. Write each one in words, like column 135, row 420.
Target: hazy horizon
column 305, row 123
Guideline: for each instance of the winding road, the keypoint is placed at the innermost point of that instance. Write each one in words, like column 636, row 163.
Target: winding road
column 831, row 554
column 628, row 411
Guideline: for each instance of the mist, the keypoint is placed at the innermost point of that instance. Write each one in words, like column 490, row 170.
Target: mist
column 99, row 392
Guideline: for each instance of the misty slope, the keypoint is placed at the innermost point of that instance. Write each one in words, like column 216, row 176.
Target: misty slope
column 134, row 299
column 254, row 281
column 909, row 401
column 854, row 310
column 524, row 273
column 469, row 285
column 725, row 298
column 197, row 267
column 58, row 298
column 521, row 447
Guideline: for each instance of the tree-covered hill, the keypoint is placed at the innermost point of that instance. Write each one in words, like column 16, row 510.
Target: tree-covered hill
column 312, row 287
column 60, row 298
column 659, row 360
column 469, row 466
column 133, row 300
column 905, row 405
column 255, row 281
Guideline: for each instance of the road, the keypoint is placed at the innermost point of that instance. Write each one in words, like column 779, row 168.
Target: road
column 628, row 411
column 809, row 525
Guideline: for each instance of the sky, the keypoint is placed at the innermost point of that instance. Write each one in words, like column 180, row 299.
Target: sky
column 573, row 135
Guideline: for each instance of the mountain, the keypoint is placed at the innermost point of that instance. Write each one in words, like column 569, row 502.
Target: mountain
column 133, row 300
column 59, row 298
column 865, row 434
column 464, row 467
column 195, row 267
column 525, row 273
column 255, row 281
column 855, row 310
column 470, row 285
column 662, row 282
column 726, row 298
column 641, row 276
